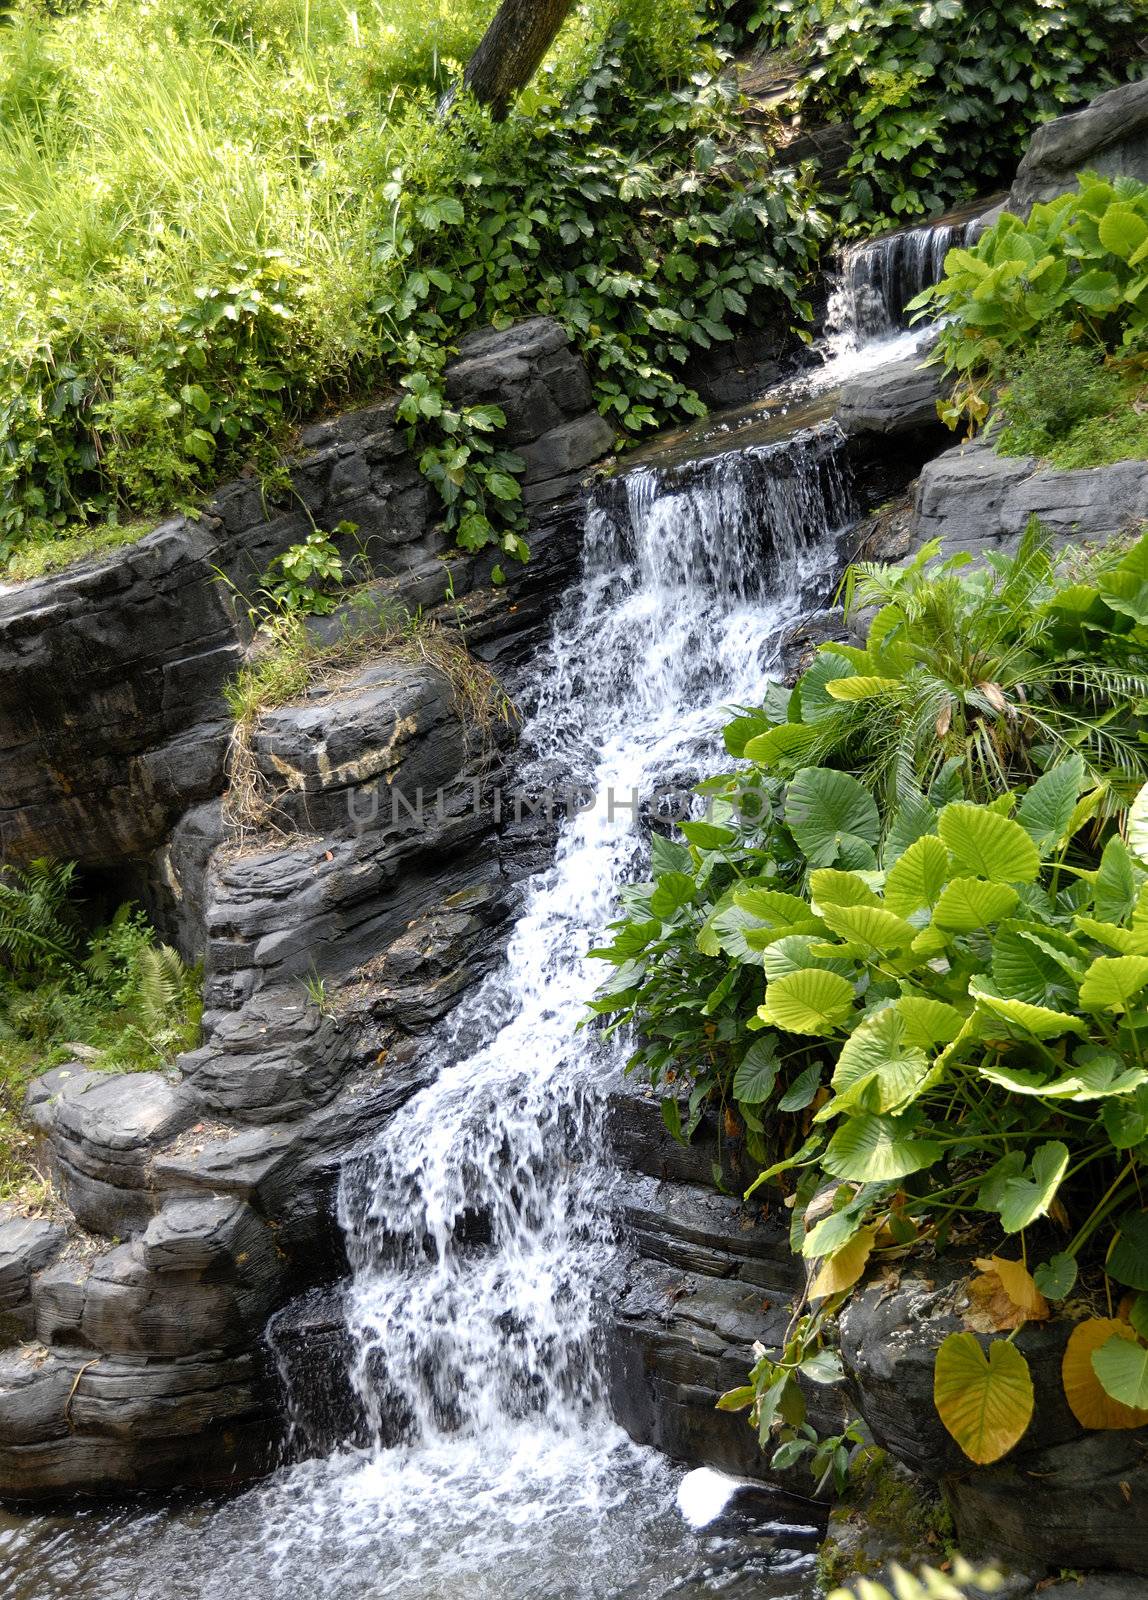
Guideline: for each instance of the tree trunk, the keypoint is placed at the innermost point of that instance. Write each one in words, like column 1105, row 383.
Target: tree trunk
column 511, row 50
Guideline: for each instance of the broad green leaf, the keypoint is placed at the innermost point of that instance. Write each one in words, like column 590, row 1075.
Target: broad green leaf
column 917, row 878
column 1056, row 1278
column 787, row 739
column 1023, row 970
column 869, row 926
column 674, row 890
column 1126, row 1120
column 1123, row 230
column 837, row 1228
column 1128, row 1258
column 872, row 1148
column 772, row 905
column 1095, row 1080
column 802, row 1090
column 1043, row 1022
column 862, row 688
column 1132, row 941
column 792, row 953
column 1138, row 1315
column 1114, row 890
column 828, row 886
column 1138, row 826
column 842, row 1269
column 929, row 1022
column 731, row 929
column 1026, row 1198
column 1112, row 982
column 757, row 1072
column 988, row 845
column 985, row 1401
column 826, row 811
column 914, row 819
column 879, row 1060
column 708, row 836
column 969, row 905
column 1122, row 1367
column 1046, row 810
column 813, row 1001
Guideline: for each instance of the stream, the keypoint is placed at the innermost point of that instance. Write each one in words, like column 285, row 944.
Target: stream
column 479, row 1224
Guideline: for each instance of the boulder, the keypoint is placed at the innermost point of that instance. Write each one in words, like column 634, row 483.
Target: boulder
column 899, row 397
column 976, row 501
column 1108, row 136
column 27, row 1244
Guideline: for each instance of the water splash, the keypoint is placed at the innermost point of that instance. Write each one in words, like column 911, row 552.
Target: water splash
column 877, row 280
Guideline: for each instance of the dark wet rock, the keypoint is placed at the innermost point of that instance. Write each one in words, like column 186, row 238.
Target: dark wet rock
column 1108, row 136
column 977, row 501
column 27, row 1244
column 899, row 397
column 1092, row 1505
column 706, row 1277
column 112, row 719
column 313, row 1354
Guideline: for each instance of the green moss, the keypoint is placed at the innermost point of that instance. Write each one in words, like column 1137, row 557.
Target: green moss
column 34, row 560
column 885, row 1515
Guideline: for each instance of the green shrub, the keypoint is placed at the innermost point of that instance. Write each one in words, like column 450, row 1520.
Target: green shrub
column 928, row 1011
column 1074, row 273
column 215, row 228
column 942, row 95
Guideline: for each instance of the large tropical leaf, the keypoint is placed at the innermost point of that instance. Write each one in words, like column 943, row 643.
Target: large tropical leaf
column 757, row 1072
column 1113, row 982
column 1115, row 889
column 1128, row 1258
column 984, row 843
column 929, row 1022
column 872, row 1148
column 1046, row 810
column 1029, row 1196
column 1042, row 1022
column 879, row 1060
column 1088, row 1401
column 793, row 952
column 811, row 1001
column 985, row 1401
column 870, row 926
column 842, row 1269
column 916, row 879
column 1024, row 970
column 969, row 904
column 1122, row 1366
column 830, row 814
column 829, row 886
column 1138, row 825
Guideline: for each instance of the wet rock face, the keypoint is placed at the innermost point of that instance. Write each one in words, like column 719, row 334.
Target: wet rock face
column 1064, row 1497
column 112, row 722
column 1109, row 136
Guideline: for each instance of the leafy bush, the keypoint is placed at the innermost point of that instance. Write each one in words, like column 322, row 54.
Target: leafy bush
column 1074, row 272
column 215, row 228
column 929, row 1584
column 127, row 1003
column 943, row 95
column 972, row 680
column 926, row 1008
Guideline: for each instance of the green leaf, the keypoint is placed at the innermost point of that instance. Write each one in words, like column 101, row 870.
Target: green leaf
column 828, row 886
column 970, row 904
column 1056, row 1278
column 708, row 836
column 915, row 818
column 872, row 1148
column 674, row 890
column 880, row 930
column 1122, row 1368
column 929, row 1022
column 862, row 688
column 916, row 880
column 812, row 1001
column 1138, row 1315
column 802, row 1090
column 1026, row 1198
column 1138, row 826
column 1041, row 1021
column 1122, row 230
column 757, row 1072
column 1128, row 1259
column 1126, row 1120
column 879, row 1061
column 826, row 810
column 1114, row 891
column 672, row 1117
column 1112, row 982
column 986, row 1403
column 1046, row 810
column 984, row 843
column 1023, row 970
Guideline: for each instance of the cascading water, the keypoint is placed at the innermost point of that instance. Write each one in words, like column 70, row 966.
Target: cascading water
column 479, row 1224
column 878, row 279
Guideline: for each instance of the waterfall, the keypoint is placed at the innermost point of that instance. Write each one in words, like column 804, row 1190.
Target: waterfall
column 878, row 278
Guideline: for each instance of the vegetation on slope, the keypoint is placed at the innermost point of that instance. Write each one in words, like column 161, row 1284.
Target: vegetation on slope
column 217, row 224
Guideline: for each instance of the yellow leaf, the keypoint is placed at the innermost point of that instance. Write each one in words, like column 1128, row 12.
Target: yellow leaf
column 1090, row 1404
column 1004, row 1297
column 984, row 1401
column 842, row 1269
